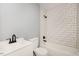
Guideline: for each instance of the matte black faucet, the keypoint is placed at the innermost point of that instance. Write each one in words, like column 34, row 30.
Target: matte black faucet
column 13, row 40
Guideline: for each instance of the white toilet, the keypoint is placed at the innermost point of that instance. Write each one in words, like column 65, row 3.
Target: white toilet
column 38, row 51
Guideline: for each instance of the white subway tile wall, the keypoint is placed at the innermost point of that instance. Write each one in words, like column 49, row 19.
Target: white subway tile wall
column 61, row 23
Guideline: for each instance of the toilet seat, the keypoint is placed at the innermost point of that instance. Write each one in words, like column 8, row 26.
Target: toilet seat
column 40, row 51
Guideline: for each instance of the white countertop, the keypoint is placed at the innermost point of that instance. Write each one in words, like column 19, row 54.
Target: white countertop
column 6, row 48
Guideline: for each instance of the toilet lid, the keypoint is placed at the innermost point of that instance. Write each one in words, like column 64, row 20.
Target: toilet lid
column 40, row 51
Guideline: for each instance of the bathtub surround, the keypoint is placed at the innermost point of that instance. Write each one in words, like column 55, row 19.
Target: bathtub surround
column 60, row 25
column 60, row 28
column 21, row 19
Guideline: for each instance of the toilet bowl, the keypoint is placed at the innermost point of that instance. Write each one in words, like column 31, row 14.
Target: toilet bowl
column 38, row 51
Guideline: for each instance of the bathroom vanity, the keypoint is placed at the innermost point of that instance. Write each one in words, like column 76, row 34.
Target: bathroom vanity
column 20, row 48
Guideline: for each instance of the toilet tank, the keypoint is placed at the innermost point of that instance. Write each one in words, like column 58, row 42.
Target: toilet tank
column 35, row 42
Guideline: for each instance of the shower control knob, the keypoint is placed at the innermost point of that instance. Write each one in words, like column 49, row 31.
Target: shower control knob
column 44, row 37
column 44, row 16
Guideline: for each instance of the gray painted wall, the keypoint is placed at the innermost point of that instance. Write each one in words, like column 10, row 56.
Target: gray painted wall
column 20, row 19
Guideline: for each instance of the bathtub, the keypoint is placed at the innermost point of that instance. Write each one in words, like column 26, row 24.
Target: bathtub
column 59, row 50
column 20, row 48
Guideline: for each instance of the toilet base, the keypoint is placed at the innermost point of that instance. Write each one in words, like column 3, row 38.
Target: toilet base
column 40, row 52
column 34, row 54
